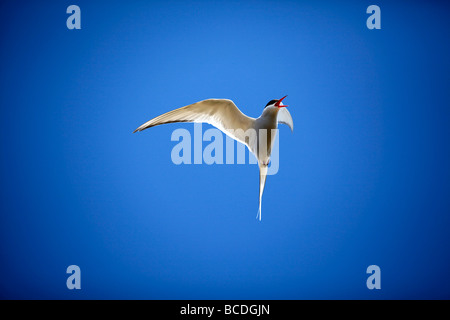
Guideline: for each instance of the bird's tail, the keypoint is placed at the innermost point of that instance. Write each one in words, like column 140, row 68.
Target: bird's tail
column 262, row 182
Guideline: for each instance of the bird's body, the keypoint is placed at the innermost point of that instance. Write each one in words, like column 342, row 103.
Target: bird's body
column 267, row 122
column 257, row 134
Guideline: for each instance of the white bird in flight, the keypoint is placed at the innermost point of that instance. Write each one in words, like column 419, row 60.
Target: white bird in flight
column 256, row 134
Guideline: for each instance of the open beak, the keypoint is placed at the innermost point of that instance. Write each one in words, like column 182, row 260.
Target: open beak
column 277, row 104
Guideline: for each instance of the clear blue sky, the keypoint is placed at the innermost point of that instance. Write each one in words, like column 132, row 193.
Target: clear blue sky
column 364, row 179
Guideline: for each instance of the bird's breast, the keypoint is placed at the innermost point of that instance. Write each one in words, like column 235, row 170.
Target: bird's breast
column 265, row 128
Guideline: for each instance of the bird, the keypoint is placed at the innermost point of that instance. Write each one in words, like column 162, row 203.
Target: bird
column 255, row 133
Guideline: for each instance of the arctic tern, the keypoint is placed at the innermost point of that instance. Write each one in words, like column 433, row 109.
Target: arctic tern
column 256, row 134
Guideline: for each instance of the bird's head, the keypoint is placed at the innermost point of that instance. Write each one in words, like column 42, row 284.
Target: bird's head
column 276, row 103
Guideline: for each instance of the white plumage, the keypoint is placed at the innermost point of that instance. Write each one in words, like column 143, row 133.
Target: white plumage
column 256, row 134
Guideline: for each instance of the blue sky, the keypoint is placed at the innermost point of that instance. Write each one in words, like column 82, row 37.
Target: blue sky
column 364, row 179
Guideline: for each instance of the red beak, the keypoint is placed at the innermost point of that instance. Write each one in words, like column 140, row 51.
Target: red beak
column 277, row 104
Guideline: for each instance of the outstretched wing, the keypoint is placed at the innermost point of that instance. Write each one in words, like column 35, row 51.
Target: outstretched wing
column 285, row 117
column 221, row 113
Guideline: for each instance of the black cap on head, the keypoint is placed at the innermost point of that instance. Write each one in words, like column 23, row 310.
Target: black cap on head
column 270, row 103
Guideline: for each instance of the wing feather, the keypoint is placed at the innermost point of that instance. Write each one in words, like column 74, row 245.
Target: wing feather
column 285, row 117
column 221, row 113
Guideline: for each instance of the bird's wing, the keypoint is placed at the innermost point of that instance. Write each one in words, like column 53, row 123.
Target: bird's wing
column 221, row 113
column 285, row 117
